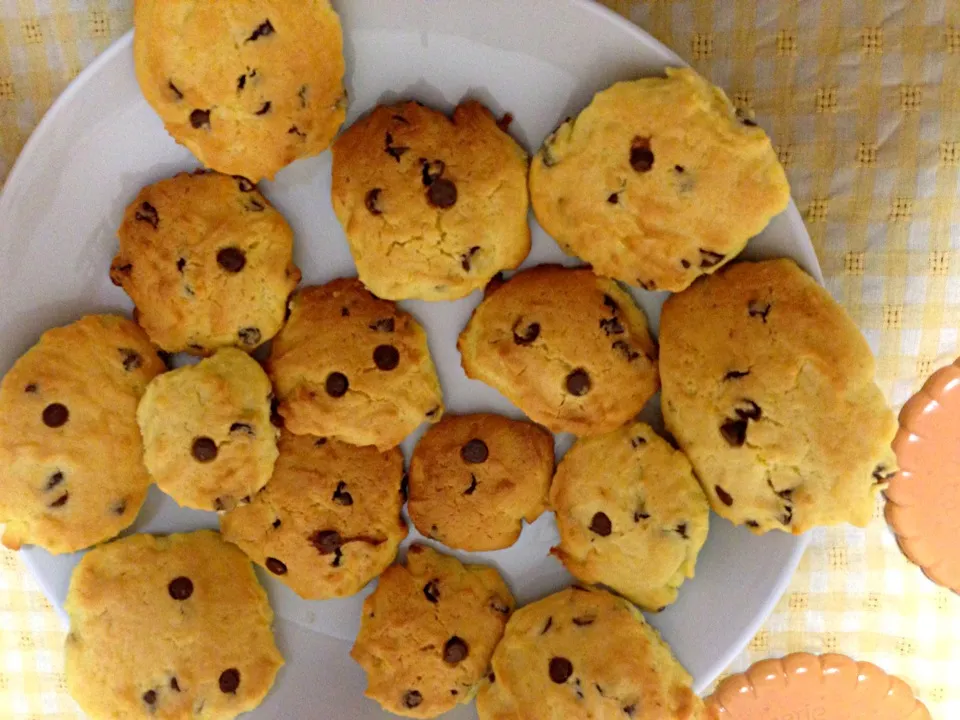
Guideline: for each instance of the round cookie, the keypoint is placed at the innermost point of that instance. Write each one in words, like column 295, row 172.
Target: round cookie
column 207, row 436
column 569, row 348
column 168, row 627
column 208, row 262
column 432, row 207
column 475, row 478
column 248, row 87
column 768, row 388
column 631, row 514
column 71, row 459
column 657, row 182
column 351, row 366
column 581, row 654
column 329, row 521
column 427, row 633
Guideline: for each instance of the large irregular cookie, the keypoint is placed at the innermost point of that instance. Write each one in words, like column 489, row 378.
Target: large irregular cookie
column 768, row 387
column 585, row 655
column 428, row 631
column 168, row 627
column 249, row 87
column 569, row 348
column 351, row 366
column 475, row 478
column 631, row 514
column 657, row 182
column 207, row 261
column 71, row 459
column 432, row 208
column 329, row 521
column 208, row 439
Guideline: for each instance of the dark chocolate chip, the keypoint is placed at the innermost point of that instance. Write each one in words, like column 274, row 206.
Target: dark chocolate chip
column 263, row 30
column 601, row 525
column 337, row 384
column 548, row 625
column 277, row 567
column 277, row 523
column 467, row 257
column 231, row 259
column 393, row 151
column 371, row 201
column 442, row 194
column 641, row 157
column 583, row 621
column 320, row 442
column 241, row 82
column 473, row 485
column 386, row 357
column 244, row 184
column 734, row 432
column 753, row 523
column 204, row 449
column 759, row 309
column 412, row 699
column 341, row 496
column 560, row 670
column 243, row 428
column 175, row 89
column 60, row 501
column 682, row 531
column 504, row 122
column 474, row 452
column 709, row 259
column 748, row 122
column 749, row 410
column 180, row 588
column 344, row 312
column 229, row 680
column 383, row 325
column 611, row 303
column 150, row 697
column 455, row 651
column 147, row 213
column 432, row 171
column 131, row 359
column 612, row 326
column 724, row 496
column 30, row 388
column 638, row 516
column 54, row 480
column 249, row 336
column 174, row 685
column 181, row 264
column 679, row 168
column 578, row 382
column 527, row 335
column 326, row 541
column 637, row 441
column 736, row 374
column 685, row 264
column 294, row 130
column 613, row 198
column 264, row 109
column 624, row 349
column 119, row 507
column 200, row 119
column 55, row 415
column 431, row 591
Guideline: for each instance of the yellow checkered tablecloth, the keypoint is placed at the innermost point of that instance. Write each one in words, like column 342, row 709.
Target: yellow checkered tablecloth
column 862, row 99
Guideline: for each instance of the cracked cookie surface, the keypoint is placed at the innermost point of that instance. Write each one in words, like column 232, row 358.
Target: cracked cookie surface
column 351, row 366
column 71, row 458
column 768, row 386
column 568, row 347
column 207, row 435
column 207, row 261
column 432, row 207
column 329, row 520
column 247, row 87
column 631, row 514
column 657, row 182
column 427, row 633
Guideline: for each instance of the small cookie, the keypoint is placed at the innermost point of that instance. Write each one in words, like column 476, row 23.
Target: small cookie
column 428, row 631
column 631, row 514
column 247, row 87
column 581, row 654
column 569, row 348
column 658, row 181
column 208, row 262
column 768, row 387
column 207, row 436
column 170, row 626
column 432, row 207
column 71, row 459
column 351, row 366
column 475, row 478
column 329, row 521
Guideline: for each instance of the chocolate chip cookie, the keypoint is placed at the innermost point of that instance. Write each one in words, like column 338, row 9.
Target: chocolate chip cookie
column 168, row 627
column 768, row 387
column 631, row 514
column 428, row 631
column 657, row 182
column 208, row 262
column 208, row 440
column 474, row 479
column 432, row 207
column 247, row 87
column 568, row 347
column 329, row 521
column 582, row 654
column 351, row 366
column 71, row 460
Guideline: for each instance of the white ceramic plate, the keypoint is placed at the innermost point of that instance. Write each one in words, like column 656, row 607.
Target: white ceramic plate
column 100, row 143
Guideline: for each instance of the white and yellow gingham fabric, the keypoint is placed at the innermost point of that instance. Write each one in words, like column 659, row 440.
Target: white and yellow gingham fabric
column 862, row 99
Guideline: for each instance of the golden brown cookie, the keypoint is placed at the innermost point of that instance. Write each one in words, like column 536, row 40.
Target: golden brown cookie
column 71, row 459
column 568, row 347
column 208, row 262
column 428, row 631
column 351, row 366
column 329, row 521
column 249, row 87
column 474, row 479
column 657, row 182
column 432, row 207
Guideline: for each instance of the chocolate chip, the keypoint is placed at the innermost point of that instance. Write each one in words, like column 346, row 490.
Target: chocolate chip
column 682, row 531
column 276, row 523
column 174, row 685
column 748, row 122
column 341, row 496
column 432, row 171
column 337, row 384
column 641, row 157
column 371, row 201
column 685, row 264
column 241, row 82
column 204, row 449
column 638, row 516
column 474, row 452
column 386, row 357
column 787, row 516
column 175, row 90
column 180, row 588
column 548, row 625
column 383, row 325
column 467, row 257
column 249, row 336
column 473, row 485
column 455, row 651
column 60, row 501
column 320, row 442
column 749, row 410
column 229, row 680
column 613, row 198
column 263, row 30
column 709, row 259
column 624, row 349
column 753, row 523
column 264, row 109
column 611, row 303
column 583, row 621
column 181, row 264
column 736, row 374
column 759, row 309
column 723, row 495
column 231, row 259
column 147, row 213
column 30, row 388
column 882, row 474
column 611, row 326
column 294, row 130
column 200, row 119
column 326, row 541
column 131, row 359
column 344, row 312
column 242, row 428
column 55, row 415
column 578, row 382
column 734, row 432
column 393, row 151
column 601, row 525
column 504, row 122
column 637, row 441
column 527, row 335
column 244, row 184
column 442, row 194
column 431, row 591
column 150, row 697
column 412, row 699
column 277, row 567
column 54, row 480
column 560, row 670
column 119, row 507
